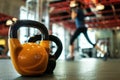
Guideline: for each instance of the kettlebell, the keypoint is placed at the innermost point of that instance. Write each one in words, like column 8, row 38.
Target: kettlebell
column 29, row 59
column 52, row 58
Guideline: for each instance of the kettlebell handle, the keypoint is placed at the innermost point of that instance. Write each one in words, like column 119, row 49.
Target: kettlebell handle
column 28, row 23
column 51, row 38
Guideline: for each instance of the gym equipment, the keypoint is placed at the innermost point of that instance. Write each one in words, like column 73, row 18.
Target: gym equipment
column 29, row 59
column 55, row 56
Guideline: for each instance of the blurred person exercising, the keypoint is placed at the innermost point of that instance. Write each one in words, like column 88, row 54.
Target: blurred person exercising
column 77, row 14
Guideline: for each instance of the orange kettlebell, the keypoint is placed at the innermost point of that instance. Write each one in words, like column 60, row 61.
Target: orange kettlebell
column 29, row 59
column 52, row 57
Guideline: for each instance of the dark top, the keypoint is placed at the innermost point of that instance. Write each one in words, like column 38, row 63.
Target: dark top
column 79, row 20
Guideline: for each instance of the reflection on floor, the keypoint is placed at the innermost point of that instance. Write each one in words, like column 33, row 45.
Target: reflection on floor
column 83, row 69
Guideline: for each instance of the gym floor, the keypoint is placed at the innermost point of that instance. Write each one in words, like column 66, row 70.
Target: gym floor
column 83, row 69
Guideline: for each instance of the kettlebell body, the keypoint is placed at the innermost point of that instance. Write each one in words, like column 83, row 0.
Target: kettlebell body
column 29, row 59
column 52, row 57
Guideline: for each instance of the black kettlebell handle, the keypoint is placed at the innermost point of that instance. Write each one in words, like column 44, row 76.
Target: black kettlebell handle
column 28, row 23
column 51, row 38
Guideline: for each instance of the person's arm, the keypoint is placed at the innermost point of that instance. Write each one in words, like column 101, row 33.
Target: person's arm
column 73, row 14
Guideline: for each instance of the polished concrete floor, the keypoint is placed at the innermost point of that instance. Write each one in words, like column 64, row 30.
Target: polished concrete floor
column 83, row 69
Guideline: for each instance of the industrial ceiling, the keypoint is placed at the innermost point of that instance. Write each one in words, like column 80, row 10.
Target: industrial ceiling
column 109, row 16
column 60, row 13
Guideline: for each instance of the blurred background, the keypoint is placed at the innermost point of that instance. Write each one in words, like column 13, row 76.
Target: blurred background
column 102, row 20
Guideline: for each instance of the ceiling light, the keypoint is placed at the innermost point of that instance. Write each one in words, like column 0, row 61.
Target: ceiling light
column 14, row 19
column 100, row 6
column 9, row 22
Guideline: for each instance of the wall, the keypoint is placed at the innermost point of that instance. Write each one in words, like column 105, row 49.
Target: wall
column 117, row 45
column 11, row 7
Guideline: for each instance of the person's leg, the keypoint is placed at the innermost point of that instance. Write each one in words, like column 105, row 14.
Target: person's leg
column 94, row 45
column 71, row 47
column 86, row 35
column 75, row 35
